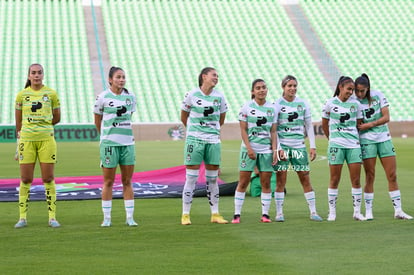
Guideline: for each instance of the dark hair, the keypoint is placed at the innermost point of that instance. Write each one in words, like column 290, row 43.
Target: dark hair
column 254, row 83
column 112, row 71
column 363, row 80
column 206, row 70
column 285, row 80
column 28, row 82
column 342, row 81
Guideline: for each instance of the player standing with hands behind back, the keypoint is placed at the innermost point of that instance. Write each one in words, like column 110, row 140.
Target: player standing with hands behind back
column 113, row 110
column 203, row 112
column 37, row 110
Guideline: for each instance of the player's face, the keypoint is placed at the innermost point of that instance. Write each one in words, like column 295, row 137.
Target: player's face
column 260, row 90
column 361, row 91
column 36, row 75
column 290, row 89
column 346, row 90
column 118, row 80
column 211, row 78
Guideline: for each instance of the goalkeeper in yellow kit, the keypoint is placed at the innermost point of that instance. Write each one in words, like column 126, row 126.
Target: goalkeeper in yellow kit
column 37, row 110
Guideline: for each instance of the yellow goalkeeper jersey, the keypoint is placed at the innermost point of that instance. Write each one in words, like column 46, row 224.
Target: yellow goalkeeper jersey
column 37, row 112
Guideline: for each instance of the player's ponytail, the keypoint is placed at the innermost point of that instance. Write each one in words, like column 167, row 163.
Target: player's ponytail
column 28, row 82
column 206, row 70
column 363, row 80
column 254, row 83
column 112, row 71
column 285, row 80
column 341, row 82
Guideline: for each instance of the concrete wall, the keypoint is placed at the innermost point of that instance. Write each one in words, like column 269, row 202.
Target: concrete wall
column 232, row 131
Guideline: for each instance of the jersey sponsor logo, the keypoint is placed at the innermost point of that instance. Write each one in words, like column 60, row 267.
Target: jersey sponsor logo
column 261, row 120
column 344, row 117
column 208, row 110
column 121, row 110
column 292, row 116
column 36, row 106
column 369, row 112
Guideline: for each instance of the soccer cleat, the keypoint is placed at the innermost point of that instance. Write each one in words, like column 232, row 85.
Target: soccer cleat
column 217, row 218
column 331, row 217
column 369, row 216
column 106, row 223
column 265, row 218
column 185, row 219
column 236, row 219
column 280, row 217
column 402, row 216
column 131, row 222
column 54, row 223
column 315, row 217
column 359, row 217
column 21, row 223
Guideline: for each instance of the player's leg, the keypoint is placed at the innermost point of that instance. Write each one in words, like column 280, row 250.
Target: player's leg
column 354, row 159
column 27, row 159
column 212, row 159
column 281, row 169
column 264, row 165
column 369, row 156
column 246, row 166
column 127, row 164
column 109, row 156
column 193, row 156
column 47, row 157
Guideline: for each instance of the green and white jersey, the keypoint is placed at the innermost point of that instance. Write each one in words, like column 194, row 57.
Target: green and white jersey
column 372, row 112
column 116, row 111
column 343, row 132
column 204, row 119
column 291, row 119
column 259, row 122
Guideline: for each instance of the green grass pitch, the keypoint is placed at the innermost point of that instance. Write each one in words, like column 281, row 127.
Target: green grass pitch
column 160, row 245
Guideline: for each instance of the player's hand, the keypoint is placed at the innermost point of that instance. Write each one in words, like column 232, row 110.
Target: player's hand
column 312, row 154
column 251, row 153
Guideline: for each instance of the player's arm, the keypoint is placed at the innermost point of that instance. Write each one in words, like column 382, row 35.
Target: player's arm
column 184, row 117
column 18, row 117
column 98, row 122
column 325, row 126
column 56, row 116
column 273, row 137
column 222, row 118
column 245, row 137
column 385, row 118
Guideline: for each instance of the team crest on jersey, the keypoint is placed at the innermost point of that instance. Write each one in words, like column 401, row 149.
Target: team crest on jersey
column 333, row 157
column 352, row 109
column 269, row 113
column 374, row 102
column 243, row 164
column 216, row 102
column 107, row 160
column 45, row 98
column 300, row 108
column 188, row 158
column 128, row 101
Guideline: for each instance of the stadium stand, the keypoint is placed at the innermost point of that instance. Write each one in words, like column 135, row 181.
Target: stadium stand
column 367, row 36
column 164, row 44
column 55, row 38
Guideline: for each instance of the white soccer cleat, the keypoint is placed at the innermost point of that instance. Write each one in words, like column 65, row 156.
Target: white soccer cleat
column 331, row 217
column 400, row 215
column 359, row 217
column 369, row 216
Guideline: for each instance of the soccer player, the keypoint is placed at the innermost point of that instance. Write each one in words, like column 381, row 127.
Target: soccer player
column 37, row 111
column 293, row 116
column 340, row 116
column 376, row 141
column 113, row 110
column 203, row 112
column 258, row 148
